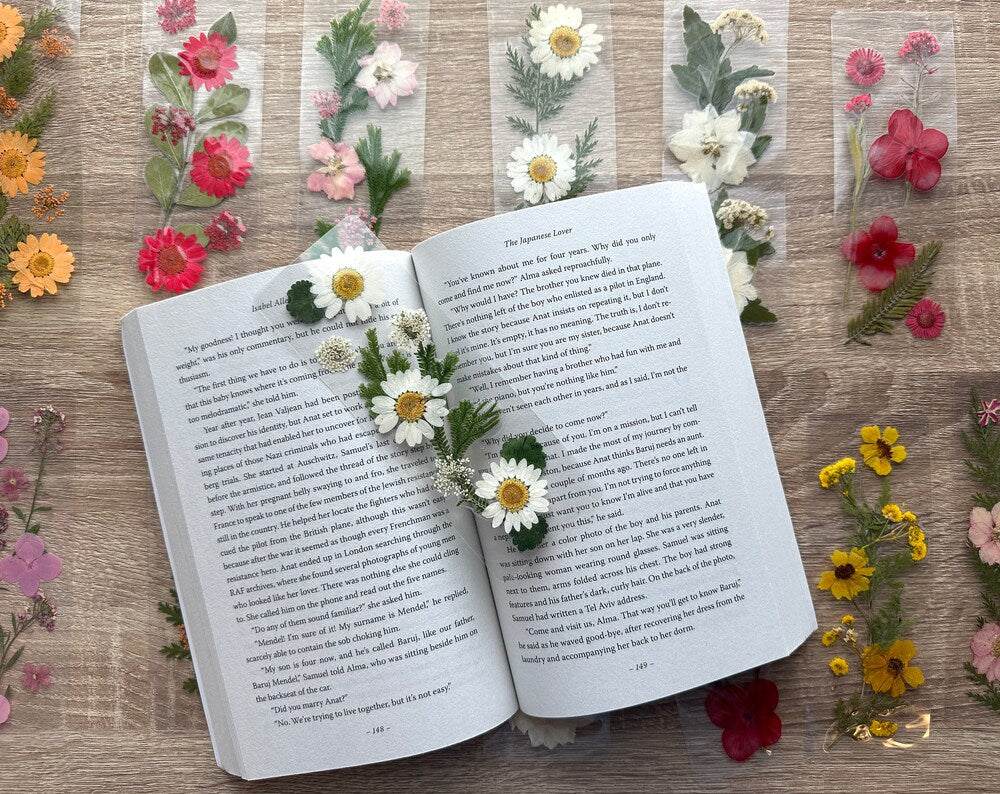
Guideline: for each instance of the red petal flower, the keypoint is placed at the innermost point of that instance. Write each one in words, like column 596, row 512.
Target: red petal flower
column 926, row 319
column 746, row 716
column 223, row 166
column 208, row 61
column 909, row 150
column 878, row 253
column 172, row 261
column 865, row 66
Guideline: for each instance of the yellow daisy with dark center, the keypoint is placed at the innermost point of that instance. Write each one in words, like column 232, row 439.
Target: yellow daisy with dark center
column 890, row 670
column 879, row 448
column 849, row 575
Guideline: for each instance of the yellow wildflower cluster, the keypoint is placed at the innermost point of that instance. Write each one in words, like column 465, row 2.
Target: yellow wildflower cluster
column 839, row 666
column 847, row 620
column 6, row 296
column 883, row 729
column 918, row 543
column 830, row 475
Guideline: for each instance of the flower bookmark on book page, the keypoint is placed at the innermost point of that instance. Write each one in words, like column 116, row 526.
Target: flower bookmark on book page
column 875, row 662
column 35, row 262
column 894, row 117
column 199, row 124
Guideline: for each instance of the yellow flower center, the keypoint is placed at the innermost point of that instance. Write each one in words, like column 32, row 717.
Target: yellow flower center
column 512, row 495
column 41, row 264
column 542, row 168
column 410, row 405
column 565, row 41
column 171, row 260
column 3, row 31
column 12, row 163
column 348, row 284
column 996, row 647
column 383, row 73
column 844, row 571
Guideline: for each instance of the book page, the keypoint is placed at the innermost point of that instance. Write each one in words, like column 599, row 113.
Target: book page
column 606, row 325
column 338, row 610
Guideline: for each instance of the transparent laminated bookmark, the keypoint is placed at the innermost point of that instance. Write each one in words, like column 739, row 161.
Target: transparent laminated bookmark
column 552, row 102
column 362, row 107
column 202, row 110
column 895, row 128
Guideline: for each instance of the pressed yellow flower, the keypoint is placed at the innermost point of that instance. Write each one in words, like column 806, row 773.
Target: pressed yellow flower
column 6, row 296
column 830, row 637
column 893, row 513
column 20, row 164
column 11, row 30
column 918, row 551
column 883, row 729
column 879, row 450
column 847, row 620
column 40, row 263
column 830, row 475
column 890, row 670
column 849, row 575
column 839, row 666
column 908, row 516
column 915, row 534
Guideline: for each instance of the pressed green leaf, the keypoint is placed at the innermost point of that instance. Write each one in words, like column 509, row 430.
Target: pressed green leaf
column 689, row 79
column 161, row 179
column 231, row 129
column 191, row 196
column 760, row 145
column 228, row 100
column 524, row 448
column 175, row 153
column 754, row 313
column 225, row 27
column 165, row 70
column 301, row 303
column 196, row 230
column 531, row 538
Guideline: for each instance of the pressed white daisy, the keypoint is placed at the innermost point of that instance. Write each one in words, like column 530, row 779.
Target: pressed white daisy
column 541, row 169
column 410, row 329
column 712, row 148
column 412, row 405
column 562, row 45
column 336, row 354
column 344, row 280
column 517, row 494
column 740, row 274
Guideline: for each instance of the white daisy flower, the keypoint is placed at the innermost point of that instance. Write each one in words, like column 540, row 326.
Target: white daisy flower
column 517, row 494
column 712, row 148
column 561, row 45
column 410, row 329
column 412, row 405
column 541, row 169
column 740, row 274
column 344, row 280
column 336, row 354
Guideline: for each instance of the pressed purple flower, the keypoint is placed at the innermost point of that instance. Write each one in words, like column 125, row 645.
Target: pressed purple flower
column 989, row 413
column 35, row 677
column 30, row 565
column 4, row 421
column 13, row 483
column 48, row 424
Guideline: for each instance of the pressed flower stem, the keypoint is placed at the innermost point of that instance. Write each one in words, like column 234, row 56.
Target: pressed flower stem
column 180, row 173
column 17, row 631
column 37, row 490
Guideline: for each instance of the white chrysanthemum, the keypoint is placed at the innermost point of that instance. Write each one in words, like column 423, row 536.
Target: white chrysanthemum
column 412, row 405
column 453, row 477
column 712, row 148
column 742, row 24
column 756, row 89
column 541, row 169
column 410, row 329
column 336, row 354
column 740, row 275
column 345, row 280
column 517, row 494
column 562, row 45
column 549, row 732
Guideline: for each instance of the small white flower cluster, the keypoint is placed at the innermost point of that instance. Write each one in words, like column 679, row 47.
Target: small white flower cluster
column 453, row 477
column 743, row 25
column 410, row 329
column 737, row 212
column 336, row 354
column 749, row 90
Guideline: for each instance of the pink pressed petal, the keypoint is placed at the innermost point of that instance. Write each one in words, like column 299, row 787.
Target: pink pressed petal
column 989, row 552
column 317, row 182
column 29, row 547
column 4, row 419
column 4, row 447
column 884, row 230
column 925, row 172
column 906, row 127
column 321, row 151
column 4, row 709
column 982, row 640
column 902, row 254
column 933, row 143
column 876, row 276
column 994, row 513
column 12, row 569
column 29, row 583
column 47, row 567
column 993, row 671
column 849, row 246
column 887, row 157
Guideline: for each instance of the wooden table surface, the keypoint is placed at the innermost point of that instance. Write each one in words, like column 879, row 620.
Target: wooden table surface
column 116, row 718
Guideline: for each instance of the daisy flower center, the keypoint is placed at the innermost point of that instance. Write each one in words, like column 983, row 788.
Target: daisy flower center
column 565, row 41
column 410, row 406
column 512, row 495
column 333, row 166
column 3, row 31
column 926, row 319
column 383, row 73
column 12, row 163
column 171, row 260
column 844, row 571
column 41, row 264
column 542, row 168
column 207, row 61
column 711, row 146
column 884, row 450
column 895, row 666
column 220, row 167
column 348, row 284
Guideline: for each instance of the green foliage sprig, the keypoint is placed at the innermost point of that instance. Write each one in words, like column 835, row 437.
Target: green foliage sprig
column 349, row 40
column 178, row 649
column 384, row 176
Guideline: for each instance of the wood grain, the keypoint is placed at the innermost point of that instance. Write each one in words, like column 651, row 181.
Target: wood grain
column 117, row 720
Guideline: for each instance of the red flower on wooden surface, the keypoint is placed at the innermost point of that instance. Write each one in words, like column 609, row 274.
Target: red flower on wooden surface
column 878, row 253
column 746, row 716
column 909, row 150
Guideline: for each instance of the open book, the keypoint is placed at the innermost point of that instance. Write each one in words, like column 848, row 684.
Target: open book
column 341, row 612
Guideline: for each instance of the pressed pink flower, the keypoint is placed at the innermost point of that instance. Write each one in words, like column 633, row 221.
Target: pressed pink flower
column 392, row 14
column 340, row 172
column 172, row 260
column 48, row 424
column 385, row 75
column 984, row 533
column 30, row 565
column 223, row 166
column 354, row 230
column 909, row 150
column 859, row 104
column 919, row 46
column 35, row 677
column 4, row 421
column 4, row 709
column 878, row 253
column 985, row 647
column 225, row 232
column 172, row 123
column 176, row 15
column 327, row 103
column 990, row 412
column 926, row 319
column 13, row 483
column 208, row 61
column 865, row 66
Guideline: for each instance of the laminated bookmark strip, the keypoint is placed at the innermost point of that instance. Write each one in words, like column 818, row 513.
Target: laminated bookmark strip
column 725, row 94
column 362, row 109
column 552, row 102
column 895, row 129
column 202, row 113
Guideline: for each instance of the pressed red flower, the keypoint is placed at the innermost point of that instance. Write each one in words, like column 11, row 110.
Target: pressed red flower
column 746, row 716
column 858, row 104
column 926, row 319
column 878, row 253
column 172, row 261
column 223, row 166
column 909, row 150
column 865, row 66
column 208, row 61
column 225, row 232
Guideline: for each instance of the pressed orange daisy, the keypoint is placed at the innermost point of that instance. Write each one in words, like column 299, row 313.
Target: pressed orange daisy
column 20, row 164
column 890, row 670
column 11, row 30
column 40, row 263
